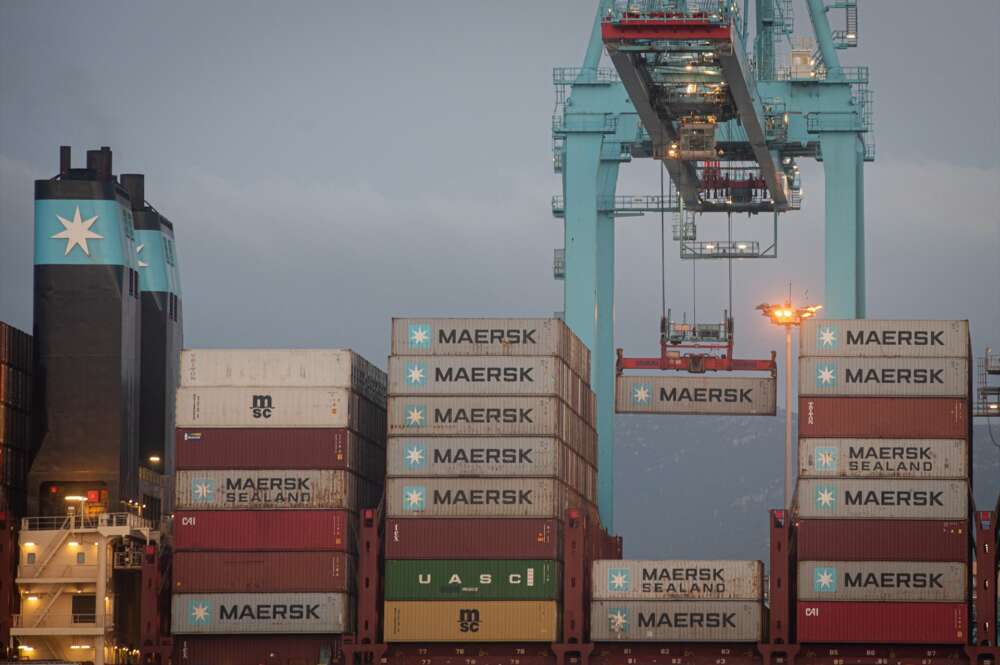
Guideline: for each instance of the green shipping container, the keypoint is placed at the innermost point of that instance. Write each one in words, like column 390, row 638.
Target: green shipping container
column 479, row 580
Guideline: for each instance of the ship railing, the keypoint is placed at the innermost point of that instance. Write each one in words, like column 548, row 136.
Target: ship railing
column 63, row 621
column 85, row 522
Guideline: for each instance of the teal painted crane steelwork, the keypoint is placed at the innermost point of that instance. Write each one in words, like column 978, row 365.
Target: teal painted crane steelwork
column 727, row 127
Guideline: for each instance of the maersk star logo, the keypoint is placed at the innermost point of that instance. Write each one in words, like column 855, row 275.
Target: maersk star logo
column 641, row 393
column 418, row 336
column 414, row 497
column 415, row 415
column 826, row 337
column 825, row 579
column 416, row 374
column 415, row 456
column 618, row 580
column 138, row 251
column 202, row 489
column 76, row 232
column 826, row 375
column 618, row 619
column 200, row 611
column 826, row 459
column 826, row 497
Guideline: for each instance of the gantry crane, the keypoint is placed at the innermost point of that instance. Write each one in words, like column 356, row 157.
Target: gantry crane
column 728, row 123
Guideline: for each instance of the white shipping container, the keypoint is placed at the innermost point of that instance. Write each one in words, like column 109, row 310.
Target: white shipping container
column 625, row 579
column 676, row 621
column 719, row 395
column 286, row 368
column 884, row 377
column 883, row 581
column 479, row 497
column 887, row 339
column 490, row 337
column 883, row 499
column 240, row 613
column 883, row 458
column 280, row 407
column 271, row 489
column 491, row 457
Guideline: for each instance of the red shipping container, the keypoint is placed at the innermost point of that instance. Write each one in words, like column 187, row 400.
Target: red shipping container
column 882, row 623
column 263, row 572
column 882, row 540
column 264, row 530
column 253, row 650
column 884, row 417
column 458, row 538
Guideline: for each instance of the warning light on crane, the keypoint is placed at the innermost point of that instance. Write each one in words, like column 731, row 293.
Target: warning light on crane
column 788, row 315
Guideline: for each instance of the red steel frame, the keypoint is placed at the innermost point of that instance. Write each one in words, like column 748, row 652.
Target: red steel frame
column 696, row 363
column 156, row 645
column 663, row 29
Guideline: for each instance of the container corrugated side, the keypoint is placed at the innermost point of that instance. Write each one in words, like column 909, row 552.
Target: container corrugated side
column 479, row 579
column 272, row 489
column 676, row 621
column 872, row 337
column 479, row 497
column 491, row 456
column 267, row 613
column 884, row 417
column 289, row 368
column 490, row 337
column 279, row 407
column 629, row 579
column 263, row 572
column 696, row 395
column 883, row 458
column 883, row 581
column 884, row 377
column 278, row 448
column 471, row 621
column 264, row 530
column 488, row 416
column 883, row 499
column 271, row 649
column 15, row 388
column 499, row 538
column 882, row 623
column 882, row 540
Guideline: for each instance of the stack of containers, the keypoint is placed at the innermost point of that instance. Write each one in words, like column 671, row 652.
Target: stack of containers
column 491, row 440
column 15, row 418
column 277, row 451
column 883, row 531
column 677, row 601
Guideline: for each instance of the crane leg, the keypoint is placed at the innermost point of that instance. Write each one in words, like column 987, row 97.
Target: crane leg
column 843, row 165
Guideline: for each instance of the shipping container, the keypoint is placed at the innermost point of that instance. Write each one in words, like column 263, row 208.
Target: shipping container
column 15, row 347
column 264, row 650
column 884, row 417
column 15, row 388
column 676, row 621
column 616, row 579
column 490, row 337
column 883, row 623
column 479, row 497
column 696, row 395
column 15, row 427
column 264, row 530
column 263, row 572
column 279, row 448
column 882, row 540
column 883, row 581
column 471, row 621
column 491, row 457
column 286, row 368
column 479, row 579
column 273, row 489
column 239, row 613
column 883, row 499
column 434, row 538
column 887, row 339
column 883, row 458
column 488, row 416
column 280, row 407
column 884, row 377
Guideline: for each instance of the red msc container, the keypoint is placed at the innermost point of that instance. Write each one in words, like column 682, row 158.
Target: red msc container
column 253, row 650
column 263, row 572
column 264, row 530
column 882, row 540
column 884, row 417
column 494, row 538
column 880, row 623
